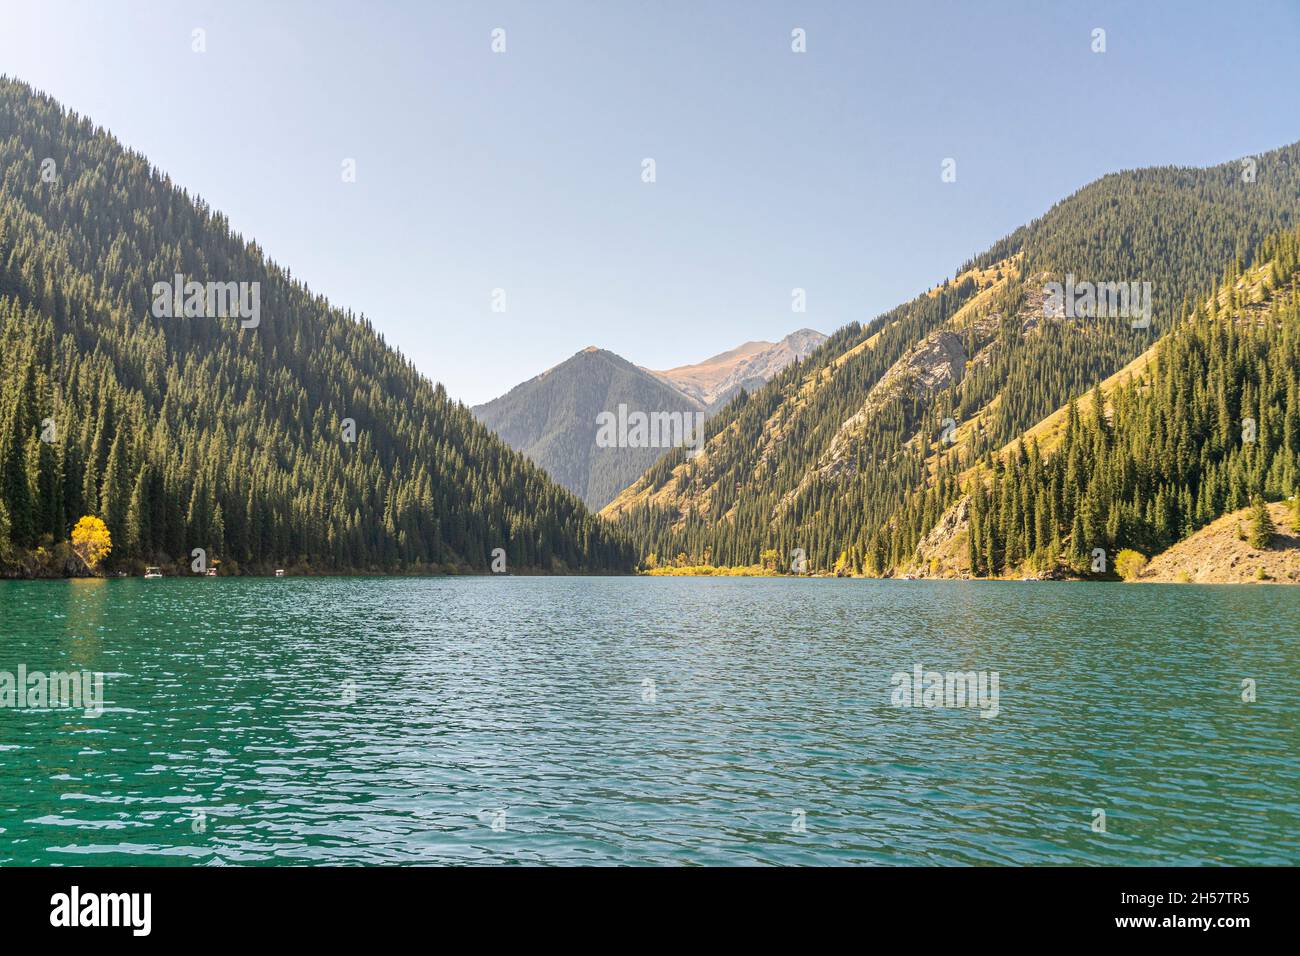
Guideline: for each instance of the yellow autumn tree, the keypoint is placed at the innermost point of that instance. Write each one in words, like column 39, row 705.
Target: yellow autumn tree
column 91, row 541
column 1129, row 564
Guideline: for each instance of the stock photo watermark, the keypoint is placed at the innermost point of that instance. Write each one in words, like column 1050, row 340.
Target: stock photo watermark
column 75, row 908
column 1099, row 300
column 208, row 300
column 52, row 690
column 946, row 689
column 624, row 429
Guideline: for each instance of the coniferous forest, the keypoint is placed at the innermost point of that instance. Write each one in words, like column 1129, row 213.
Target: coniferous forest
column 844, row 457
column 1216, row 426
column 304, row 442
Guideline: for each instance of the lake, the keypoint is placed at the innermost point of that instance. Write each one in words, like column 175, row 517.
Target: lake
column 587, row 720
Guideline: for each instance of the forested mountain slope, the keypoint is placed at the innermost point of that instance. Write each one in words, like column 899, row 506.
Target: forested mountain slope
column 208, row 432
column 552, row 418
column 861, row 446
column 1204, row 423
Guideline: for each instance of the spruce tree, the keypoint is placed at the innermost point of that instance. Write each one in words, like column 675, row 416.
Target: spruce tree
column 1261, row 525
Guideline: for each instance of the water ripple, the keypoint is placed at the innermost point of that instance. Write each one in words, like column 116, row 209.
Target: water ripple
column 649, row 721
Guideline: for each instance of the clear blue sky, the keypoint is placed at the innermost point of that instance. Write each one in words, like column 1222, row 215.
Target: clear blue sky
column 775, row 170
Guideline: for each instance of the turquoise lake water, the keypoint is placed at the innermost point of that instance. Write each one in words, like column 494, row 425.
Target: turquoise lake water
column 650, row 721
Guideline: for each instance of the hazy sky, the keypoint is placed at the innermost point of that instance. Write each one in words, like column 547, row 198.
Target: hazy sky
column 774, row 170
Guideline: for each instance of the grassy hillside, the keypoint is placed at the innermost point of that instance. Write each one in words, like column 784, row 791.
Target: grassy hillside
column 862, row 448
column 1202, row 424
column 1222, row 553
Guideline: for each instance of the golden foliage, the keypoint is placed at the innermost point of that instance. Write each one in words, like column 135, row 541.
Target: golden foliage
column 1129, row 564
column 91, row 541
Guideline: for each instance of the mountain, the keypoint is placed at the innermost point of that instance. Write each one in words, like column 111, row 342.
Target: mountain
column 286, row 434
column 1201, row 425
column 862, row 448
column 553, row 419
column 716, row 380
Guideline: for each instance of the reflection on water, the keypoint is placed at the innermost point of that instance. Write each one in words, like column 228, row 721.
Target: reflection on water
column 81, row 607
column 649, row 720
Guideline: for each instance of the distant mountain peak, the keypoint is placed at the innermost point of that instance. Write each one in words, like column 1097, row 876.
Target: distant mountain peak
column 805, row 335
column 551, row 418
column 714, row 381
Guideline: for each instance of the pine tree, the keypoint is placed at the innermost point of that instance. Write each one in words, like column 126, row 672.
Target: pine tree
column 196, row 433
column 1261, row 525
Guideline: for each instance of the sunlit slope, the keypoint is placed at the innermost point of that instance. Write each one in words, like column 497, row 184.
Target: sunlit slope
column 856, row 443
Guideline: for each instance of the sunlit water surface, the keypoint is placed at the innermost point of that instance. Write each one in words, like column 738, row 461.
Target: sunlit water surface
column 649, row 720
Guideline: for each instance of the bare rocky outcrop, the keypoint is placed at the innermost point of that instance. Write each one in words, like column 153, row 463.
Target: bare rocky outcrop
column 940, row 553
column 932, row 364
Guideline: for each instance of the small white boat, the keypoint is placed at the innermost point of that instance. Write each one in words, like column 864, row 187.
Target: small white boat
column 152, row 573
column 279, row 572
